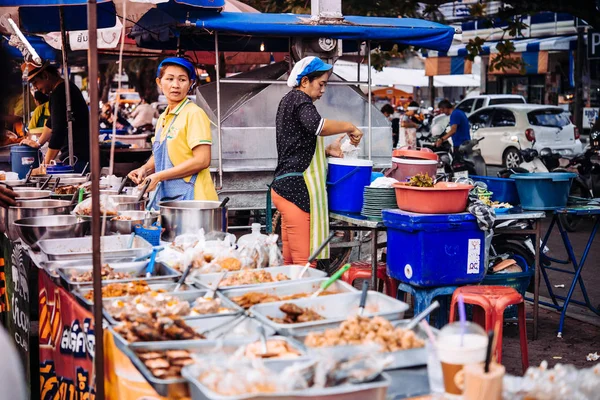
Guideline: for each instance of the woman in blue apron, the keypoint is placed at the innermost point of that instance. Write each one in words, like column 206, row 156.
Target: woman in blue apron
column 299, row 190
column 178, row 168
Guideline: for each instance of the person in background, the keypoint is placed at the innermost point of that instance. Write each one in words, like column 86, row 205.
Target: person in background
column 409, row 124
column 47, row 80
column 143, row 114
column 388, row 111
column 41, row 112
column 458, row 128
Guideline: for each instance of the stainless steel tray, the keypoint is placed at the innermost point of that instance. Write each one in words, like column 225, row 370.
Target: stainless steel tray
column 292, row 271
column 247, row 329
column 81, row 248
column 137, row 270
column 334, row 310
column 52, row 266
column 224, row 347
column 166, row 287
column 291, row 288
column 374, row 390
column 190, row 296
column 401, row 359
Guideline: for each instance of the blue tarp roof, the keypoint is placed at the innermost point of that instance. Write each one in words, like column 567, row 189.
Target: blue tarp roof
column 43, row 49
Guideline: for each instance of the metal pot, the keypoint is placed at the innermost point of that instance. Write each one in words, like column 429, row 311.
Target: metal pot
column 127, row 203
column 32, row 194
column 189, row 216
column 71, row 179
column 34, row 208
column 32, row 230
column 125, row 227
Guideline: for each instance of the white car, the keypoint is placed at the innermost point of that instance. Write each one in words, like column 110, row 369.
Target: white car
column 511, row 127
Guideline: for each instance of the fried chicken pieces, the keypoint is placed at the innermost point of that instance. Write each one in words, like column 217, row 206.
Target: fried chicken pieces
column 121, row 289
column 359, row 330
column 296, row 315
column 252, row 277
column 151, row 328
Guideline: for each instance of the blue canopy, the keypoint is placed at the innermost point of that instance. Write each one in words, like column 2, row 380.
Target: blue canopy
column 43, row 49
column 41, row 16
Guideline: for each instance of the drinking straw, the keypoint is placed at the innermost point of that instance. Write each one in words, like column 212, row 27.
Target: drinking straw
column 490, row 350
column 495, row 341
column 462, row 315
column 425, row 326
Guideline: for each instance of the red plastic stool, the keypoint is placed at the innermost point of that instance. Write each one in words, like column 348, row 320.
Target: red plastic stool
column 362, row 270
column 491, row 302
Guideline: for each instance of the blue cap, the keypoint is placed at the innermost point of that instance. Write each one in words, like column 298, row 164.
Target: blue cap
column 182, row 62
column 305, row 67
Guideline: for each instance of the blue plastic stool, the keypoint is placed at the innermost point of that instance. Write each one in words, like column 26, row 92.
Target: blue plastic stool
column 423, row 297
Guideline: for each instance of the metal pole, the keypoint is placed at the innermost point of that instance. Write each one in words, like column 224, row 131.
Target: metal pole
column 432, row 91
column 578, row 110
column 65, row 48
column 95, row 170
column 370, row 95
column 219, row 141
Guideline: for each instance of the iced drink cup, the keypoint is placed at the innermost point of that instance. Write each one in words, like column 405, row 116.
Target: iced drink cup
column 455, row 350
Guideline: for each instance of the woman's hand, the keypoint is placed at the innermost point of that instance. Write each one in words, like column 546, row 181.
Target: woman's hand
column 137, row 175
column 30, row 143
column 355, row 136
column 335, row 148
column 154, row 181
column 7, row 197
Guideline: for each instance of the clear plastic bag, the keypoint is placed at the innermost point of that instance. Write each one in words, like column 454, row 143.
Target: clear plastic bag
column 275, row 255
column 107, row 206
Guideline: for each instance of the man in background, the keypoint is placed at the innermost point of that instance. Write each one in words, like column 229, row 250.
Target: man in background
column 388, row 111
column 458, row 129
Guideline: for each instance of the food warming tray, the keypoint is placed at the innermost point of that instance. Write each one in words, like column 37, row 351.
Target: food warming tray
column 81, row 292
column 190, row 296
column 81, row 248
column 161, row 273
column 166, row 386
column 292, row 271
column 344, row 306
column 291, row 288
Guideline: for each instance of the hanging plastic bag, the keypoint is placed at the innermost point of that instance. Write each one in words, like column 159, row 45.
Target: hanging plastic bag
column 107, row 207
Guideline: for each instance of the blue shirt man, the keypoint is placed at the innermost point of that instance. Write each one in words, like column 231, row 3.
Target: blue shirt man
column 459, row 125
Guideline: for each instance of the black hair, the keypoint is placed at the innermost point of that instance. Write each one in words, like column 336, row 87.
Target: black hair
column 314, row 75
column 40, row 97
column 51, row 70
column 413, row 104
column 387, row 109
column 445, row 104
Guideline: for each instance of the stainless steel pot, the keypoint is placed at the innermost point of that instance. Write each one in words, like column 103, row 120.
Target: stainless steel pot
column 32, row 194
column 126, row 202
column 125, row 227
column 65, row 179
column 34, row 208
column 32, row 230
column 189, row 216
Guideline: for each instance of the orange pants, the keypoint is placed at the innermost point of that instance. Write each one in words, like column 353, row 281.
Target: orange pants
column 295, row 231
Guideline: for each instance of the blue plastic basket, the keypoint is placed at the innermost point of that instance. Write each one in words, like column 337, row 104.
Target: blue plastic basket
column 152, row 234
column 517, row 280
column 544, row 191
column 504, row 189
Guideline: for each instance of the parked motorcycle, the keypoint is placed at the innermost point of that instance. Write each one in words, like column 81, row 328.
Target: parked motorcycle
column 465, row 161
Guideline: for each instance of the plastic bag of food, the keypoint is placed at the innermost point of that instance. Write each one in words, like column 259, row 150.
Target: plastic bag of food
column 349, row 150
column 107, row 207
column 172, row 258
column 275, row 255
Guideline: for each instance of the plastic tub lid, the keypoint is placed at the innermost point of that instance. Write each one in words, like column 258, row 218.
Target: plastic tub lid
column 350, row 162
column 413, row 161
column 423, row 154
column 392, row 217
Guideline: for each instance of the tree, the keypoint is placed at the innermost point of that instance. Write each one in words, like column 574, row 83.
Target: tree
column 428, row 9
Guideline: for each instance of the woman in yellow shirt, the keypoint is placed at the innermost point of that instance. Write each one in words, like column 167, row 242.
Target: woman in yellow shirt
column 178, row 168
column 41, row 112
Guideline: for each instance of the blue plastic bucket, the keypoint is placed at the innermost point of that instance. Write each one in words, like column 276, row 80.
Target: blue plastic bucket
column 517, row 280
column 22, row 159
column 59, row 168
column 544, row 191
column 430, row 250
column 504, row 189
column 346, row 181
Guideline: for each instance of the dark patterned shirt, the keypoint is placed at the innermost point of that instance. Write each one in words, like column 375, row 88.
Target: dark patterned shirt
column 298, row 125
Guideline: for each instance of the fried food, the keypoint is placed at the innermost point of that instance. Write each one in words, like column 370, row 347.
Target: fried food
column 121, row 289
column 252, row 277
column 421, row 180
column 296, row 315
column 151, row 328
column 166, row 364
column 67, row 189
column 108, row 274
column 359, row 330
column 250, row 299
column 122, row 218
column 275, row 349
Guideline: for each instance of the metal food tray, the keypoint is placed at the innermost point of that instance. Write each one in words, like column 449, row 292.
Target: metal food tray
column 248, row 329
column 374, row 390
column 190, row 296
column 165, row 287
column 291, row 271
column 161, row 273
column 198, row 348
column 344, row 306
column 81, row 248
column 291, row 288
column 401, row 359
column 52, row 266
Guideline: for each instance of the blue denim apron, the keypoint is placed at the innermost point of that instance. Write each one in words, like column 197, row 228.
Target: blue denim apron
column 172, row 189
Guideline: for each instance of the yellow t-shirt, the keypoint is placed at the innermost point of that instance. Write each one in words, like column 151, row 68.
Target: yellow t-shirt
column 40, row 115
column 190, row 129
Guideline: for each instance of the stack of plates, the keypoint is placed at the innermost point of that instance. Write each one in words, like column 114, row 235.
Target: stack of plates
column 377, row 199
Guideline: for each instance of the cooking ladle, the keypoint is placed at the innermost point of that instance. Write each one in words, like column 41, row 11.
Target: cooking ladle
column 420, row 316
column 46, row 182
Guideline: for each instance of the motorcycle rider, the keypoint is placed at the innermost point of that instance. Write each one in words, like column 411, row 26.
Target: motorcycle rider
column 459, row 125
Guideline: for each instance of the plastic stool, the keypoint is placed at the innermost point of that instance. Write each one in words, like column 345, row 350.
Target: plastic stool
column 362, row 270
column 423, row 297
column 492, row 301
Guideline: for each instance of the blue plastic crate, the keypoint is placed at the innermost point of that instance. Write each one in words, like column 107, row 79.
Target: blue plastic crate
column 430, row 250
column 517, row 280
column 504, row 189
column 151, row 234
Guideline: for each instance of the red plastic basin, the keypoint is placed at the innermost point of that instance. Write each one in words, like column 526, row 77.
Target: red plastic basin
column 443, row 198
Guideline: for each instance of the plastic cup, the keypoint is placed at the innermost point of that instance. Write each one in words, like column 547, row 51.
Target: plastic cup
column 456, row 349
column 482, row 386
